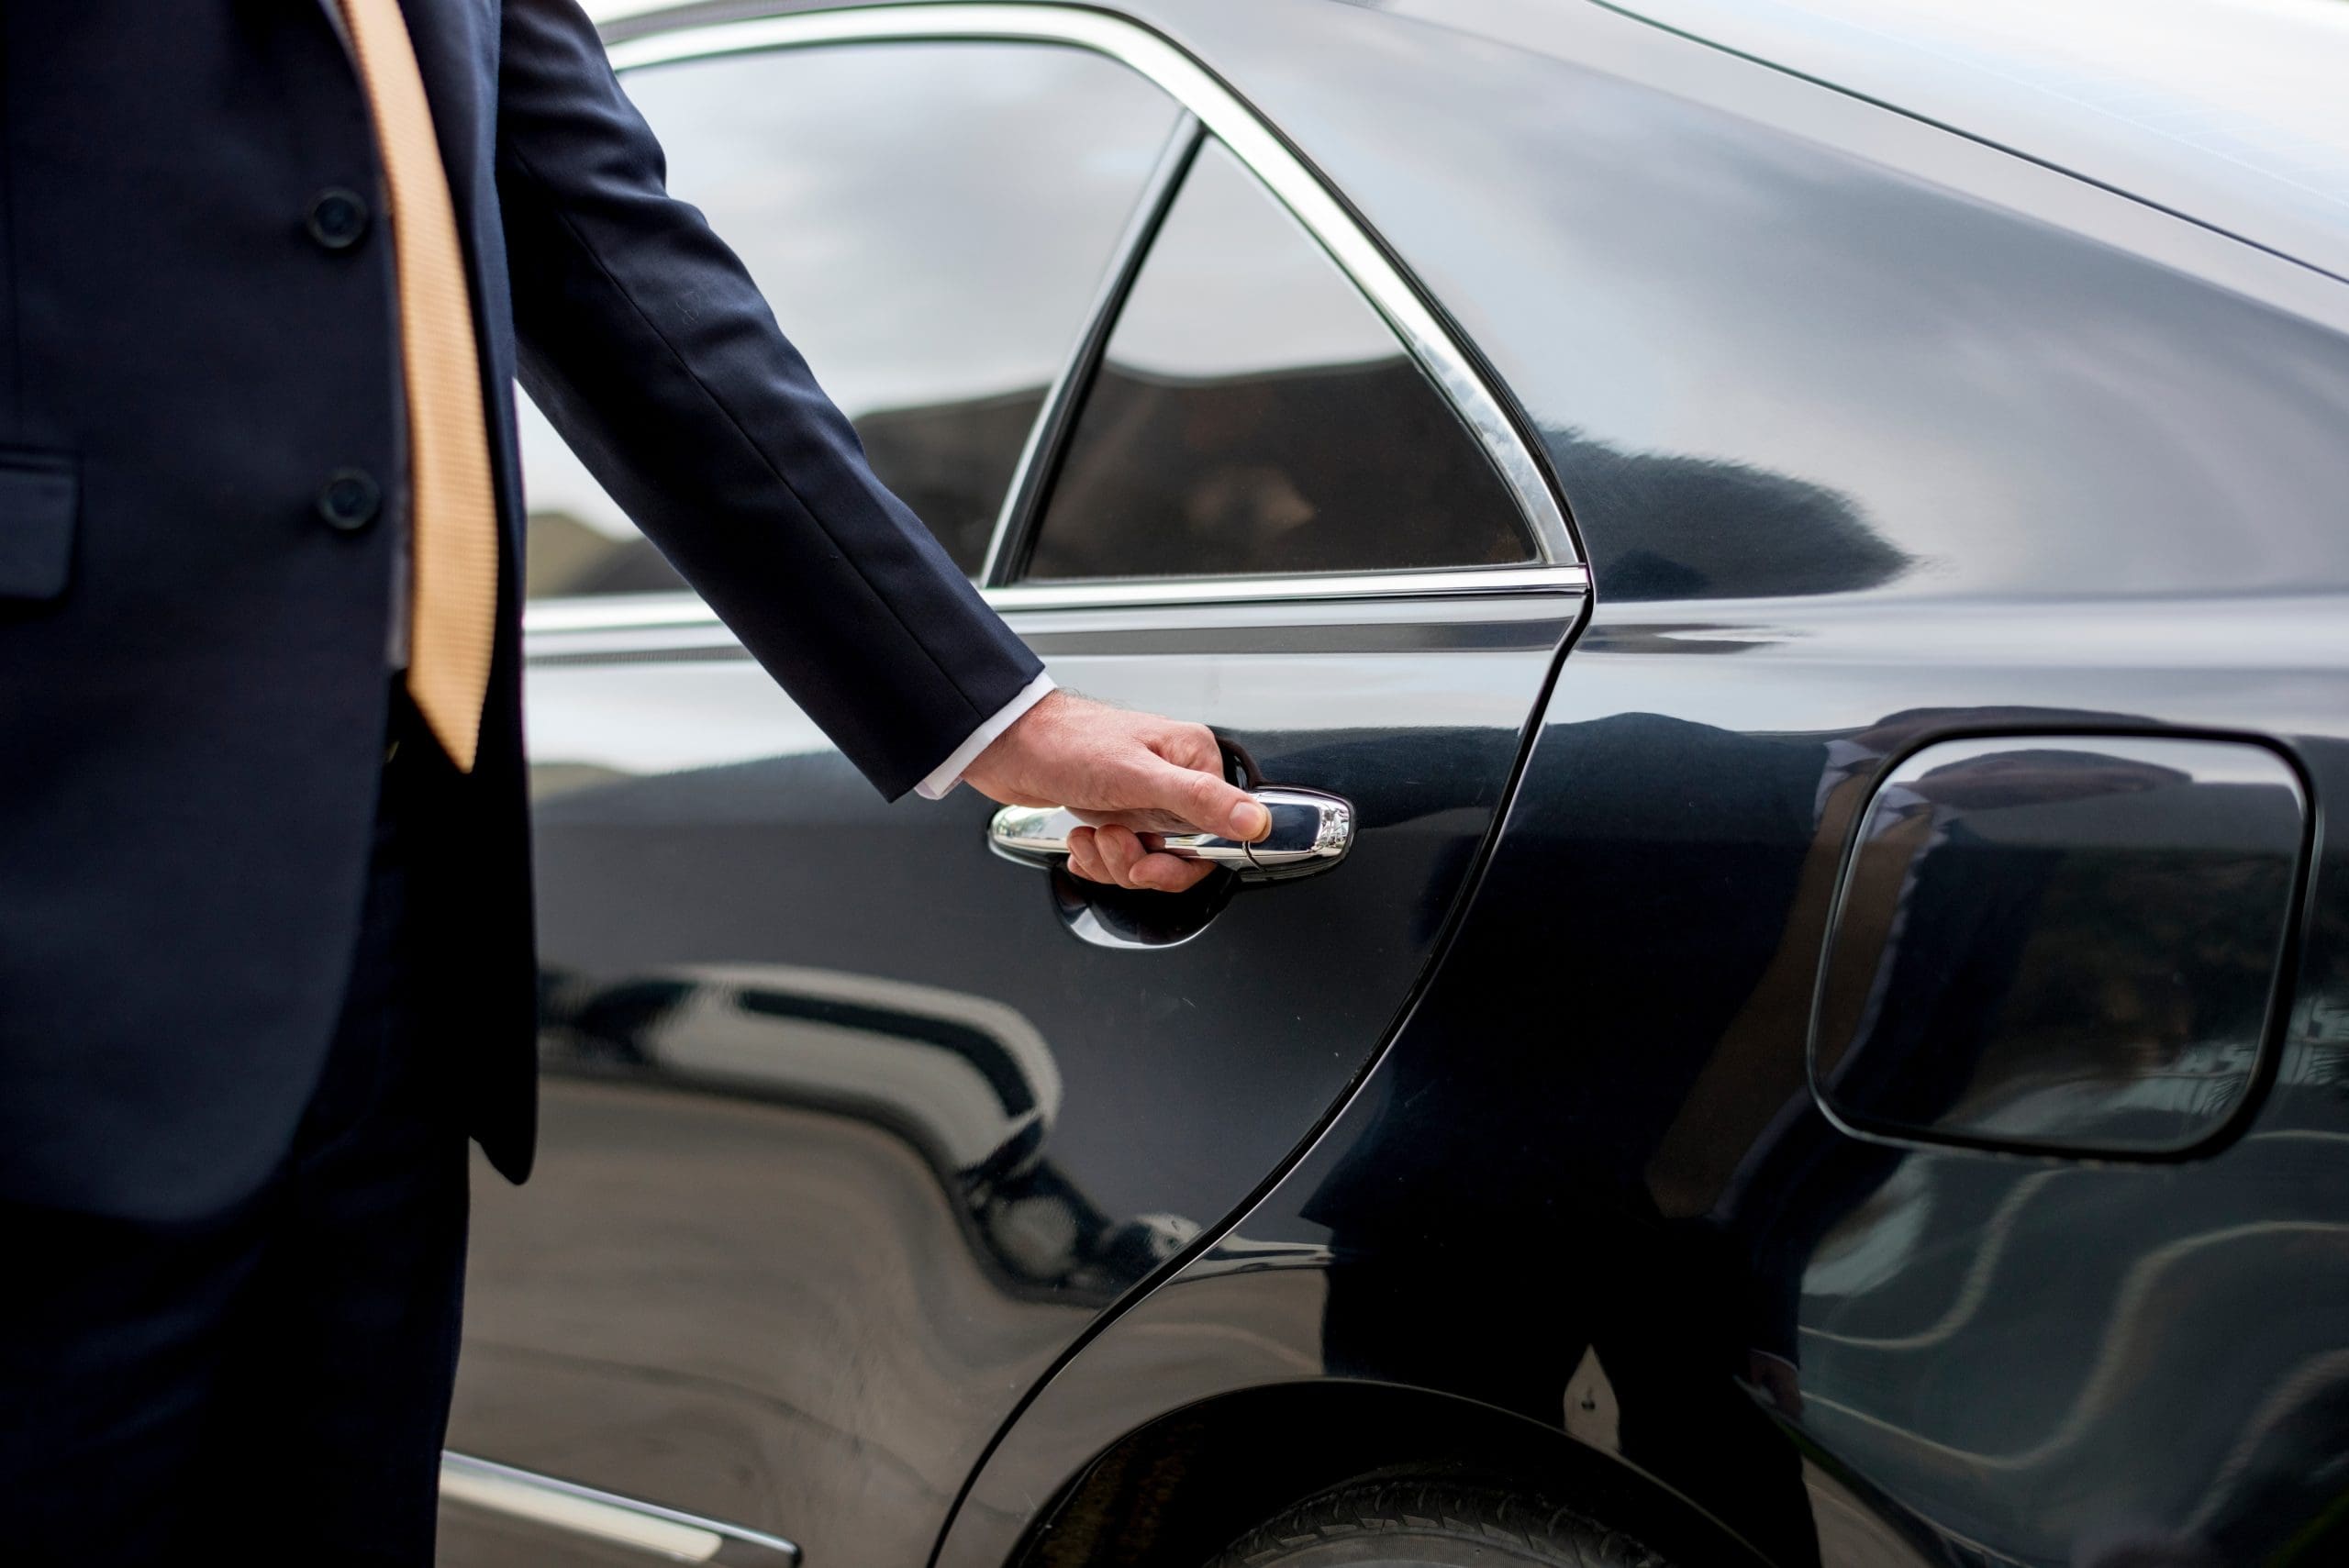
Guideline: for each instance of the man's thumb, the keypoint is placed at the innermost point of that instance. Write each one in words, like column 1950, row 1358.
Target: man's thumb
column 1212, row 806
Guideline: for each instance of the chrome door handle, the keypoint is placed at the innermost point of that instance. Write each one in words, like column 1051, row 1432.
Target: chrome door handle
column 1311, row 832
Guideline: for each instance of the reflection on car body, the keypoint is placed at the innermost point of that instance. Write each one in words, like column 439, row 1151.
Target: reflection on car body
column 965, row 1079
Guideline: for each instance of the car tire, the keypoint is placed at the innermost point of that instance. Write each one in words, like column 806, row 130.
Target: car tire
column 1388, row 1523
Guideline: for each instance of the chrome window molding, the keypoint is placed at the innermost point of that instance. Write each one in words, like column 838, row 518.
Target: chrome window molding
column 1458, row 611
column 573, row 1509
column 1212, row 106
column 691, row 623
column 1448, row 583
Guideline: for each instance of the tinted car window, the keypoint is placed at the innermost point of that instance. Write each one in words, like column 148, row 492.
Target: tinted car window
column 930, row 222
column 1255, row 414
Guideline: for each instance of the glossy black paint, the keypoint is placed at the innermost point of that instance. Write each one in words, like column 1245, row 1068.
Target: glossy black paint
column 1878, row 439
column 845, row 1138
column 1596, row 1134
column 1840, row 404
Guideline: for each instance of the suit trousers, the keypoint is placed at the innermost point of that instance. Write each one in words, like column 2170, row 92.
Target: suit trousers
column 270, row 1382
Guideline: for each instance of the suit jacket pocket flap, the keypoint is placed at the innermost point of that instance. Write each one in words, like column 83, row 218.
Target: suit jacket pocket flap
column 38, row 494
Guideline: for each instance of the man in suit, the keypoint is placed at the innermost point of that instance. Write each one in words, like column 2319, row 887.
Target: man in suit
column 265, row 953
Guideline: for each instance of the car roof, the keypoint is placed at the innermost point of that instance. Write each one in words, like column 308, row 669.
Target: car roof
column 2234, row 112
column 2227, row 112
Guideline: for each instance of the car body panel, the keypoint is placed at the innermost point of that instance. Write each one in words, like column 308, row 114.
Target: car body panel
column 1595, row 1131
column 1877, row 436
column 846, row 1136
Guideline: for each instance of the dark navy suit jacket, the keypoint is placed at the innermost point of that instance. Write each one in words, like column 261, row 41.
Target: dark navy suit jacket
column 193, row 676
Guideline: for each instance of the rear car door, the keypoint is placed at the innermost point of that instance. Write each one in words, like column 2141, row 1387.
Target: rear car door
column 852, row 1127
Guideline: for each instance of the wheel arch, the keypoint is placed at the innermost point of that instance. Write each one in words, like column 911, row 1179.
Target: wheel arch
column 1173, row 1492
column 1204, row 1408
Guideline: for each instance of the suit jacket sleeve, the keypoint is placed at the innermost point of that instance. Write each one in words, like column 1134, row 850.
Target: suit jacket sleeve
column 647, row 344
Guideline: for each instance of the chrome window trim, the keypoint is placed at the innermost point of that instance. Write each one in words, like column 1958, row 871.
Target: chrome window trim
column 1223, row 114
column 697, row 626
column 567, row 1507
column 1448, row 583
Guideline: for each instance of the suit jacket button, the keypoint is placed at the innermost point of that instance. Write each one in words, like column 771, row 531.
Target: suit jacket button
column 338, row 219
column 350, row 499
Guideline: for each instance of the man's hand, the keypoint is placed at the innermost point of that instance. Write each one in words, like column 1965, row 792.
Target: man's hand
column 1133, row 775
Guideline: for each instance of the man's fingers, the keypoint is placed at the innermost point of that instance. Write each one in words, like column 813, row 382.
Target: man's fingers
column 1120, row 850
column 1137, row 862
column 1208, row 803
column 1116, row 853
column 1170, row 874
column 1084, row 856
column 1120, row 858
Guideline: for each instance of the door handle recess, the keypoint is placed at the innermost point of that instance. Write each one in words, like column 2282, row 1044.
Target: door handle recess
column 1311, row 832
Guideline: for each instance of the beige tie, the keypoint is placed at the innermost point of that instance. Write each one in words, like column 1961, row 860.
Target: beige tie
column 453, row 508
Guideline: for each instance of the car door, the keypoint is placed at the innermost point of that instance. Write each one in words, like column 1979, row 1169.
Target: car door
column 852, row 1127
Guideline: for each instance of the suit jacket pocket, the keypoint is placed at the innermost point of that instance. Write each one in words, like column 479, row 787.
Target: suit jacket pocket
column 40, row 493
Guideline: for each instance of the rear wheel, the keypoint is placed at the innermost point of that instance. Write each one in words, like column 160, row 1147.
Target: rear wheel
column 1396, row 1523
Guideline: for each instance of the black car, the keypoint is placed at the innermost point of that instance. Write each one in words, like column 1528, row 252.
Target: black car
column 1788, row 565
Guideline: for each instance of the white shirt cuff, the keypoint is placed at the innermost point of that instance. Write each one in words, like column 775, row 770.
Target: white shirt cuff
column 950, row 773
